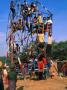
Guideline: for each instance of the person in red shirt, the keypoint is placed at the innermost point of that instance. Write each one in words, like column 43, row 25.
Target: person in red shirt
column 40, row 68
column 45, row 67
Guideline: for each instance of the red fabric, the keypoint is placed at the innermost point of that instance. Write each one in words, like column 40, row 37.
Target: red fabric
column 44, row 61
column 46, row 27
column 40, row 65
column 21, row 67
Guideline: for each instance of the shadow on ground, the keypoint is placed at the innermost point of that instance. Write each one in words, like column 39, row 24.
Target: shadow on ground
column 21, row 88
column 66, row 88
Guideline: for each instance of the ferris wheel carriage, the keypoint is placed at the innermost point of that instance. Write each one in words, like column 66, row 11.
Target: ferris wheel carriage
column 40, row 20
column 12, row 6
column 49, row 24
column 13, row 27
column 41, row 28
column 45, row 24
column 38, row 24
column 25, row 10
column 41, row 37
column 35, row 22
column 33, row 7
column 19, row 24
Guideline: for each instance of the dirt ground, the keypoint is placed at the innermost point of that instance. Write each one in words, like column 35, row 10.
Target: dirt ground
column 49, row 84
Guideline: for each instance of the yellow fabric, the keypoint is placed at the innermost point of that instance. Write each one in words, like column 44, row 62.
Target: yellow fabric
column 53, row 69
column 40, row 19
column 49, row 39
column 41, row 37
column 20, row 23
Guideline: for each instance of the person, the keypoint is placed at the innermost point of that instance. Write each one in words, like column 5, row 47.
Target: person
column 48, row 67
column 64, row 69
column 5, row 74
column 12, row 77
column 1, row 80
column 53, row 69
column 45, row 67
column 40, row 68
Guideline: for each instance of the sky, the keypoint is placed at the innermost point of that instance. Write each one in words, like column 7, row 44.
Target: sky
column 57, row 7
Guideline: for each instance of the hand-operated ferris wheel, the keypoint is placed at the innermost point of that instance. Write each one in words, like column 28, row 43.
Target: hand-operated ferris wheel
column 27, row 27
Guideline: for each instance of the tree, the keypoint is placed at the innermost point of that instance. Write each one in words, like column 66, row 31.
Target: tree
column 59, row 50
column 24, row 57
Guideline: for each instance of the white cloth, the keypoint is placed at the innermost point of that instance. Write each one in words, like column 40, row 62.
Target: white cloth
column 49, row 21
column 5, row 72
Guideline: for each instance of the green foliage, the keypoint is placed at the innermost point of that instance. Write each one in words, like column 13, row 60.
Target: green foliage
column 24, row 57
column 59, row 50
column 3, row 59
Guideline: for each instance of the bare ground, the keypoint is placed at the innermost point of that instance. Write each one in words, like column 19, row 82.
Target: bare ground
column 49, row 84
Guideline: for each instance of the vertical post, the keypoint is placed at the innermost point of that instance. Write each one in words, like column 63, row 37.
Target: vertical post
column 11, row 55
column 11, row 46
column 49, row 45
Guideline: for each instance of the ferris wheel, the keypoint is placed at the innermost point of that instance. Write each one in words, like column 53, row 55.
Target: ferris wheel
column 27, row 26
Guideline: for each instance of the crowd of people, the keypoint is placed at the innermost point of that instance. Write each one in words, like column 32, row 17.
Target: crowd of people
column 42, row 68
column 39, row 67
column 8, row 78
